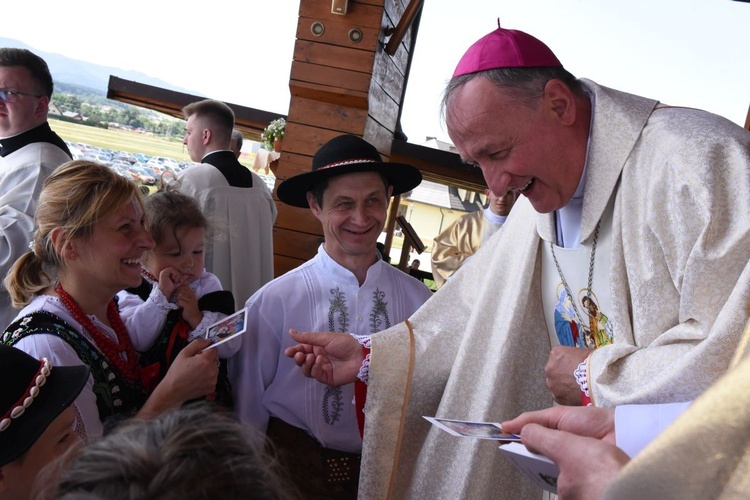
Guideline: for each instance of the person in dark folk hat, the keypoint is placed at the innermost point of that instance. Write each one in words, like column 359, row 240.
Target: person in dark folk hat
column 639, row 207
column 36, row 417
column 347, row 287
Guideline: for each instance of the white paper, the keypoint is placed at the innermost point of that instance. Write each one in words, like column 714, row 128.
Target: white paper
column 540, row 469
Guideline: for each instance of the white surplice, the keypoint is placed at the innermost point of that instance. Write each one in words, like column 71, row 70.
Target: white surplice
column 22, row 174
column 240, row 250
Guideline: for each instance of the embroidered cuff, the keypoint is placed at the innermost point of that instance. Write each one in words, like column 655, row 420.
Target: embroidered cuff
column 582, row 379
column 209, row 318
column 364, row 370
column 159, row 300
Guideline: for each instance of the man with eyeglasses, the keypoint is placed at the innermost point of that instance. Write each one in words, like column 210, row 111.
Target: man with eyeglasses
column 29, row 152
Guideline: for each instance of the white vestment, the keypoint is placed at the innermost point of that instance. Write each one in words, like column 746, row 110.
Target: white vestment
column 21, row 176
column 240, row 250
column 318, row 296
column 705, row 453
column 679, row 283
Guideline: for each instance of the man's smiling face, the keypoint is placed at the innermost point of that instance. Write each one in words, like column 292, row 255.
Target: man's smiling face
column 519, row 146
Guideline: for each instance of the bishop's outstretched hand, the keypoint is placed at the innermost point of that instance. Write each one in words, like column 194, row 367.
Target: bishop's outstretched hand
column 329, row 357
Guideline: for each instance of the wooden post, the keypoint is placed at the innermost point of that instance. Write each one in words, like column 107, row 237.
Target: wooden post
column 404, row 262
column 390, row 224
column 341, row 82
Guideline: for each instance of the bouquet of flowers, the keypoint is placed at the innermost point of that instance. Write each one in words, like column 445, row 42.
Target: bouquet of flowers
column 274, row 131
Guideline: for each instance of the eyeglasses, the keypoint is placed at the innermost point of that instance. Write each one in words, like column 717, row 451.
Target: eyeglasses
column 12, row 95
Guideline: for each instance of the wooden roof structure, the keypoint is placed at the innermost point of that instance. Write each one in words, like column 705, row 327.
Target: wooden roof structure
column 348, row 75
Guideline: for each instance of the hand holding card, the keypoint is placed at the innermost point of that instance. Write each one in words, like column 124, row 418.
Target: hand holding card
column 227, row 328
column 538, row 468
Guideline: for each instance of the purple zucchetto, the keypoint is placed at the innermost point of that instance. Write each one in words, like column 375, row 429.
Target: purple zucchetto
column 505, row 49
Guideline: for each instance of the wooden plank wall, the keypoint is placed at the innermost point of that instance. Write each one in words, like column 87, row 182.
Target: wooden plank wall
column 337, row 86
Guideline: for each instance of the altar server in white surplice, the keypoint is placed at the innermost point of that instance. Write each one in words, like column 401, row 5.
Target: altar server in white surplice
column 622, row 274
column 29, row 152
column 240, row 253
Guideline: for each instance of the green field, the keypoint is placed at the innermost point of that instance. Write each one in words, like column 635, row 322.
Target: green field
column 124, row 140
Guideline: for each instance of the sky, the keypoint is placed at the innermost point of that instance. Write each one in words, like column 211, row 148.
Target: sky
column 682, row 52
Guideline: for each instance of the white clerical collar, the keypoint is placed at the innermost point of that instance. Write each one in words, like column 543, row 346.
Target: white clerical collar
column 568, row 218
column 491, row 216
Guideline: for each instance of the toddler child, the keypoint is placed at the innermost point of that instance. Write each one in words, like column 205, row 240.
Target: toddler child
column 177, row 299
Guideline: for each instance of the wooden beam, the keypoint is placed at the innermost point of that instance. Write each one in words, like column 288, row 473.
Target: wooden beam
column 403, row 26
column 439, row 166
column 249, row 121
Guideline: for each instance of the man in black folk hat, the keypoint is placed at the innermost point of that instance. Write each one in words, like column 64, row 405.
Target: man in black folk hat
column 36, row 417
column 346, row 287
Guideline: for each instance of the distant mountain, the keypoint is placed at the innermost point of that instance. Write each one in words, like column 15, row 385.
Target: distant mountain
column 93, row 76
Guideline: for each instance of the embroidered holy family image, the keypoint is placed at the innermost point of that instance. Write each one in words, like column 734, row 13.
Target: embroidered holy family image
column 578, row 320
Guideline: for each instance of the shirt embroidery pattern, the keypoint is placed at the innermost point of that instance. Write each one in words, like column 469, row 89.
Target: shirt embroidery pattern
column 338, row 305
column 379, row 319
column 332, row 399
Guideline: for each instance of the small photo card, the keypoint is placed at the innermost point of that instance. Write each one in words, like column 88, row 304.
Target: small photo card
column 479, row 430
column 227, row 328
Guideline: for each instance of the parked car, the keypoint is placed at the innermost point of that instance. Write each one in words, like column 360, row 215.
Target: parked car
column 125, row 156
column 142, row 157
column 140, row 174
column 156, row 167
column 95, row 156
column 123, row 171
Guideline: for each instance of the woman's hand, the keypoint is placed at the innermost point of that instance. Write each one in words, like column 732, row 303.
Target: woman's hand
column 193, row 374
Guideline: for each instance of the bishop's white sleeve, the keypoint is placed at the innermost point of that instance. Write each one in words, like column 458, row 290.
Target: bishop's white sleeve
column 637, row 425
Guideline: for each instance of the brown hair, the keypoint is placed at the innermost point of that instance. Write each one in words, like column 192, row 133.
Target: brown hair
column 168, row 209
column 11, row 57
column 74, row 197
column 197, row 451
column 217, row 114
